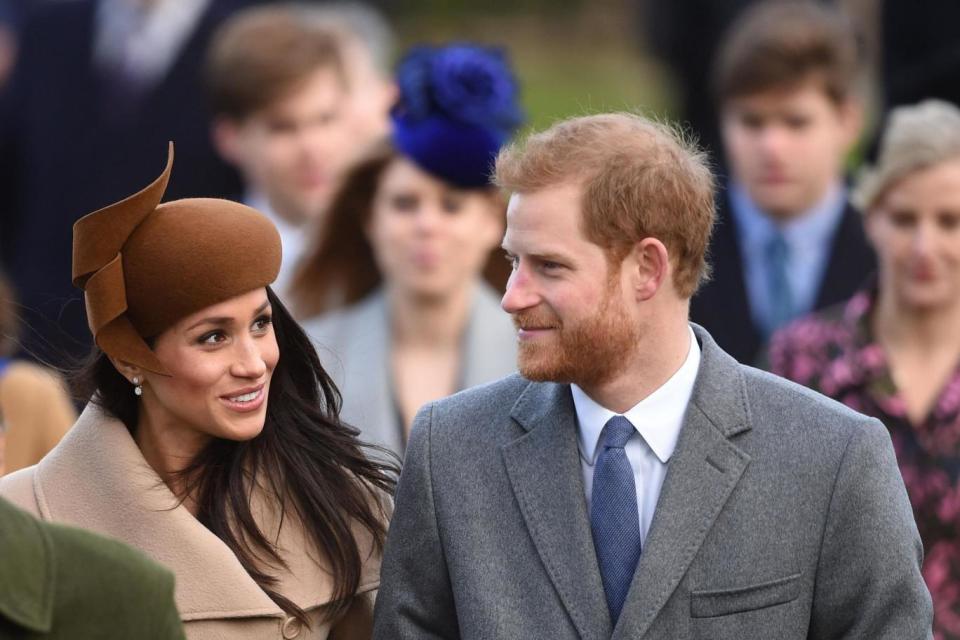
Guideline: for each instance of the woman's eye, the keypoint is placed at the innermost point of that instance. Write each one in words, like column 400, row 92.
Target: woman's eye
column 262, row 323
column 404, row 202
column 212, row 337
column 452, row 204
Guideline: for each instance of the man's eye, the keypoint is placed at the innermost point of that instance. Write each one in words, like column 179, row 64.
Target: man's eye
column 281, row 127
column 797, row 122
column 903, row 219
column 948, row 221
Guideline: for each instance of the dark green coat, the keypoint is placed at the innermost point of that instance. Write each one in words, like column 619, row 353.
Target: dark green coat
column 61, row 582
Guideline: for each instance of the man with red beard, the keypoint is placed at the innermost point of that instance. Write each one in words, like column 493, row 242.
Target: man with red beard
column 635, row 481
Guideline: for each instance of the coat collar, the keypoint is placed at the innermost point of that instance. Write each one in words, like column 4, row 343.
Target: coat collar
column 97, row 479
column 544, row 470
column 26, row 571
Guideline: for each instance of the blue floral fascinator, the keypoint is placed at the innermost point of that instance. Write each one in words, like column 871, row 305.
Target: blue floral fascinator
column 458, row 105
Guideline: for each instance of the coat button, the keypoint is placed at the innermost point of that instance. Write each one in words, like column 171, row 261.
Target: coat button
column 291, row 628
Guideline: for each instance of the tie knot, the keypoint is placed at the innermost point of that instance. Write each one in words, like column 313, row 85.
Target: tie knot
column 616, row 432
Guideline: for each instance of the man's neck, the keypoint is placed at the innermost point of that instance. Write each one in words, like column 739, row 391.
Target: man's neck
column 828, row 194
column 261, row 201
column 659, row 355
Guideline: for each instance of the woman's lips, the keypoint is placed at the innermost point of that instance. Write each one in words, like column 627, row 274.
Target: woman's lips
column 246, row 401
column 425, row 259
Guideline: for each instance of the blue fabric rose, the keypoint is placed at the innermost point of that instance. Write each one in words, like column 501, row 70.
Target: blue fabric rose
column 477, row 85
column 463, row 82
column 458, row 105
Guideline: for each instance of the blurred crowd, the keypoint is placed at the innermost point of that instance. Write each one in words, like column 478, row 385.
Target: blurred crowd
column 835, row 258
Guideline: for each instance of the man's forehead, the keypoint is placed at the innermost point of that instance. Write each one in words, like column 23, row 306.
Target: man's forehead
column 542, row 225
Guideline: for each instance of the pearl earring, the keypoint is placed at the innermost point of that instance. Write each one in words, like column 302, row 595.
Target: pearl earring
column 137, row 388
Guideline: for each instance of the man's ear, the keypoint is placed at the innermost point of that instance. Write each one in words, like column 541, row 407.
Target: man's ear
column 650, row 267
column 225, row 133
column 851, row 112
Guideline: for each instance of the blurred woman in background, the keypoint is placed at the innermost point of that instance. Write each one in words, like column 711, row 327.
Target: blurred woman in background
column 393, row 293
column 35, row 409
column 893, row 350
column 211, row 440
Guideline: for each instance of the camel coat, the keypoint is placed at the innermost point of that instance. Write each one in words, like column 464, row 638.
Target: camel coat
column 97, row 479
column 35, row 411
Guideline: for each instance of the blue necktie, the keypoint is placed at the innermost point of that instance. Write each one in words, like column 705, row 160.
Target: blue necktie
column 778, row 284
column 613, row 515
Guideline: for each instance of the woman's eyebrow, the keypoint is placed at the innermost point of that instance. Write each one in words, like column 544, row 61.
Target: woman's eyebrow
column 224, row 320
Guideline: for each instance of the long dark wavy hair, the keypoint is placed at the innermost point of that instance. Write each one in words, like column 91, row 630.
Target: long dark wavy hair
column 309, row 462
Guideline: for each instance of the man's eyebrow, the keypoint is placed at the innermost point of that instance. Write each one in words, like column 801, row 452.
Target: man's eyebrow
column 540, row 256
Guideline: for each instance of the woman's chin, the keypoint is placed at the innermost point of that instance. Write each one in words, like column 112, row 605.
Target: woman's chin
column 241, row 428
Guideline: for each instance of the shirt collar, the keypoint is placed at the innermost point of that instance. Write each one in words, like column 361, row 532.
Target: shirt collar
column 809, row 229
column 658, row 417
column 259, row 201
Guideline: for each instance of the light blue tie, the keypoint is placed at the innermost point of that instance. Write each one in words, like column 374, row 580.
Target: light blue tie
column 777, row 254
column 613, row 515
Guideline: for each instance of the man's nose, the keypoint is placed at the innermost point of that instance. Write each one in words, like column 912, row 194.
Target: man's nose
column 520, row 293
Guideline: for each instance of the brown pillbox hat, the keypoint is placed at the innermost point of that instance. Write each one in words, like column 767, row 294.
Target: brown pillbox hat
column 143, row 265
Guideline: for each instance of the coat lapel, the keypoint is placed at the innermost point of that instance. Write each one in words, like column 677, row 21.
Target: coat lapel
column 850, row 263
column 544, row 469
column 97, row 479
column 702, row 474
column 369, row 385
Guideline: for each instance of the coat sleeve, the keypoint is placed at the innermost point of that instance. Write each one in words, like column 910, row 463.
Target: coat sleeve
column 168, row 625
column 415, row 599
column 868, row 581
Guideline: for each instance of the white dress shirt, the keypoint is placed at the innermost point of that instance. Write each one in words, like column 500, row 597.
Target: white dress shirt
column 657, row 420
column 293, row 242
column 809, row 237
column 144, row 40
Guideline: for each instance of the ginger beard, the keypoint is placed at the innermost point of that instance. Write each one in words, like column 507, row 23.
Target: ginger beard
column 590, row 352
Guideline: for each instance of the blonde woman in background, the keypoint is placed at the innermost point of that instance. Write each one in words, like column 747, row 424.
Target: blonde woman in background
column 35, row 410
column 893, row 350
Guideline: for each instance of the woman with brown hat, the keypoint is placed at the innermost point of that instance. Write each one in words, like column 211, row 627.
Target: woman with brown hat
column 212, row 440
column 394, row 292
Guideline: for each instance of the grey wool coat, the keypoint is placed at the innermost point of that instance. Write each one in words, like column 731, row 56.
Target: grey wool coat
column 783, row 515
column 354, row 347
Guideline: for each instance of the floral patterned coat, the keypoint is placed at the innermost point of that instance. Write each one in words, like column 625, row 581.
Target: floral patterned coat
column 835, row 353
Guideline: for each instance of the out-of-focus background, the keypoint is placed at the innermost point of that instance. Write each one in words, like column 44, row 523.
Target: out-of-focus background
column 83, row 99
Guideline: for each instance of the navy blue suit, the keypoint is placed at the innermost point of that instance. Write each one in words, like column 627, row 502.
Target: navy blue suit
column 68, row 148
column 722, row 306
